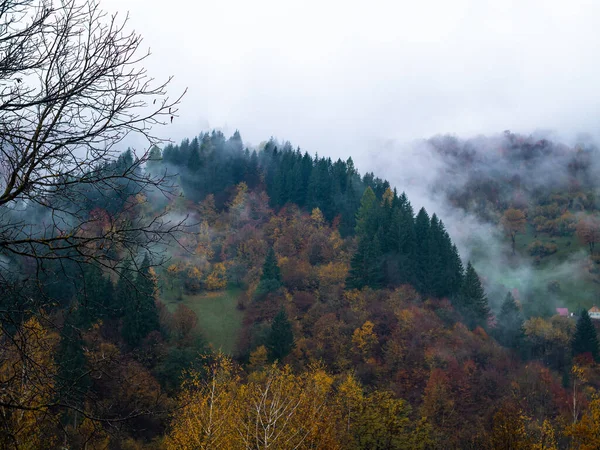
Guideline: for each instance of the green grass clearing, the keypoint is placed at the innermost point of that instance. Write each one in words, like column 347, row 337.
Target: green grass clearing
column 568, row 266
column 219, row 320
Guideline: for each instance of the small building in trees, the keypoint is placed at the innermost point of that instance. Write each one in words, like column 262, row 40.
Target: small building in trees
column 563, row 312
column 594, row 312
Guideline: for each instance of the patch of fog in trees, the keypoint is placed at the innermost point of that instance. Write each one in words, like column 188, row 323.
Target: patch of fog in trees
column 435, row 172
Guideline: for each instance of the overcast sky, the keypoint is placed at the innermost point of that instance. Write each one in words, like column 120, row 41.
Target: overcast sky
column 339, row 77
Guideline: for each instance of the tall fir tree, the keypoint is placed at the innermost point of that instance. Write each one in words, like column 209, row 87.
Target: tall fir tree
column 270, row 280
column 585, row 339
column 407, row 241
column 421, row 261
column 367, row 216
column 94, row 297
column 141, row 315
column 280, row 341
column 509, row 324
column 123, row 293
column 434, row 281
column 471, row 301
column 194, row 163
column 366, row 263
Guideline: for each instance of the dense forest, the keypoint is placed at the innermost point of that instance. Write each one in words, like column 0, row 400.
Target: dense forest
column 213, row 295
column 302, row 306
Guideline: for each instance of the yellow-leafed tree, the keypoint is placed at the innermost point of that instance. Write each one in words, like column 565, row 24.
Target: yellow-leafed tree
column 27, row 372
column 217, row 279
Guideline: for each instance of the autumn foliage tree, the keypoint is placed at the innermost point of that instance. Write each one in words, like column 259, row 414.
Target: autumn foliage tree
column 586, row 432
column 513, row 221
column 28, row 386
column 274, row 409
column 588, row 231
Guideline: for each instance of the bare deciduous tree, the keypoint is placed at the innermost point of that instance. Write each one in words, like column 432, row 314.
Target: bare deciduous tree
column 72, row 89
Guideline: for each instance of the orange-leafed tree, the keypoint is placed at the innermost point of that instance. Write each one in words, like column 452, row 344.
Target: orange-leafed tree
column 183, row 322
column 514, row 222
column 509, row 429
column 438, row 404
column 588, row 232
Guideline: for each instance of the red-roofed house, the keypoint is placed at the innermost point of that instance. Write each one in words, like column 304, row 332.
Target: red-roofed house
column 562, row 312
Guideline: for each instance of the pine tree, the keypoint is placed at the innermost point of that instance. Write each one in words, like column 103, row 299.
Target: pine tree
column 154, row 159
column 421, row 261
column 454, row 270
column 509, row 331
column 366, row 263
column 389, row 223
column 280, row 341
column 472, row 302
column 375, row 275
column 270, row 279
column 367, row 221
column 252, row 172
column 141, row 315
column 93, row 299
column 194, row 162
column 123, row 294
column 585, row 339
column 435, row 282
column 235, row 142
column 306, row 167
column 319, row 192
column 407, row 241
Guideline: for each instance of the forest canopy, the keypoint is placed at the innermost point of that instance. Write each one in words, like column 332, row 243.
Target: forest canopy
column 210, row 294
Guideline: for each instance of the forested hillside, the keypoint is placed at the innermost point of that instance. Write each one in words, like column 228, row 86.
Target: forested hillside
column 302, row 306
column 536, row 200
column 210, row 294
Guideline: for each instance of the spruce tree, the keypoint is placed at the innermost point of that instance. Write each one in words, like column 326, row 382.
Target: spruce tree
column 280, row 341
column 93, row 298
column 509, row 330
column 367, row 217
column 454, row 269
column 471, row 301
column 366, row 263
column 421, row 262
column 123, row 294
column 194, row 163
column 270, row 279
column 407, row 241
column 252, row 171
column 141, row 315
column 585, row 339
column 435, row 282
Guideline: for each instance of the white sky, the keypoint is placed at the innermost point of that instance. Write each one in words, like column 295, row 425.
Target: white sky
column 338, row 77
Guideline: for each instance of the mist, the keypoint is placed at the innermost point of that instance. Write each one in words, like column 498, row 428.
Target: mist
column 431, row 175
column 372, row 82
column 335, row 76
